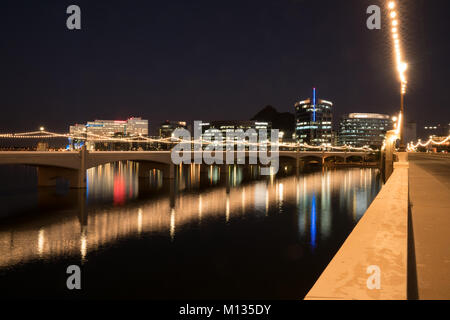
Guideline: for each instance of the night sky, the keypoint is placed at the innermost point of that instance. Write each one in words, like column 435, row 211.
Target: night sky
column 214, row 60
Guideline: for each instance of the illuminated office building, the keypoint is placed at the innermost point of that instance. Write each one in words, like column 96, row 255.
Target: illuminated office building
column 166, row 130
column 137, row 127
column 112, row 128
column 168, row 127
column 364, row 129
column 435, row 130
column 92, row 132
column 209, row 129
column 314, row 121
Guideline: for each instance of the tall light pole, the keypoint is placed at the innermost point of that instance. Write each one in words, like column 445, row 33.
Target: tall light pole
column 402, row 145
column 401, row 68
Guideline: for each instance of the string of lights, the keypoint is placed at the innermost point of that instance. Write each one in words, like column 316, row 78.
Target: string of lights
column 413, row 147
column 401, row 65
column 42, row 134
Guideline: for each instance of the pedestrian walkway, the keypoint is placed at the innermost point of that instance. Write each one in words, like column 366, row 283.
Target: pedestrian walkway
column 378, row 242
column 429, row 192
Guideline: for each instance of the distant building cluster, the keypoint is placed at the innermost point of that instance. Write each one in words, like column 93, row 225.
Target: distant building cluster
column 89, row 132
column 210, row 129
column 314, row 125
column 112, row 128
column 436, row 130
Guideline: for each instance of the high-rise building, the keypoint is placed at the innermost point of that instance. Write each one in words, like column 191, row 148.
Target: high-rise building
column 137, row 127
column 364, row 129
column 233, row 125
column 77, row 129
column 110, row 128
column 314, row 121
column 168, row 127
column 94, row 131
column 435, row 130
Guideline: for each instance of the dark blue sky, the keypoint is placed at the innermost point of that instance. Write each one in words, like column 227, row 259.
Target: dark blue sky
column 203, row 60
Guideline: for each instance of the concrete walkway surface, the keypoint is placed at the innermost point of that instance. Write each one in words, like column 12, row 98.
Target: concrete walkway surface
column 380, row 240
column 429, row 183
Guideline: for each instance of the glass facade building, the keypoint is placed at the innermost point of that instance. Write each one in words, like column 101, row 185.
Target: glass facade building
column 364, row 129
column 209, row 129
column 110, row 128
column 314, row 121
column 168, row 127
column 91, row 132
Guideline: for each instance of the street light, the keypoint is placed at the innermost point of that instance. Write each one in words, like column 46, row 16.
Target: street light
column 41, row 129
column 401, row 67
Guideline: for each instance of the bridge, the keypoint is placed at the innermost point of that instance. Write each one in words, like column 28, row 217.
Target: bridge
column 404, row 233
column 72, row 165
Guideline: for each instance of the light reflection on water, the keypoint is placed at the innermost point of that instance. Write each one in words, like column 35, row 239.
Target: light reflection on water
column 117, row 182
column 319, row 203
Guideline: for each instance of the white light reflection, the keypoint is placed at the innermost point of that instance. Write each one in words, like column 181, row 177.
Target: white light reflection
column 227, row 210
column 200, row 208
column 41, row 242
column 261, row 197
column 83, row 244
column 172, row 224
column 139, row 222
column 325, row 206
column 62, row 236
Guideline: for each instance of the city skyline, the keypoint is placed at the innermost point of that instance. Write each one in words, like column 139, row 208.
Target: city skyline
column 256, row 50
column 213, row 151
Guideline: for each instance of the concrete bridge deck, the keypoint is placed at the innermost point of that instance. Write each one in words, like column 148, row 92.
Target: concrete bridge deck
column 429, row 180
column 72, row 166
column 405, row 232
column 380, row 240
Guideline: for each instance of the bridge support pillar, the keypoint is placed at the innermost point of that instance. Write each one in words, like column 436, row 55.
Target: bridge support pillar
column 299, row 166
column 47, row 177
column 169, row 173
column 389, row 154
column 82, row 174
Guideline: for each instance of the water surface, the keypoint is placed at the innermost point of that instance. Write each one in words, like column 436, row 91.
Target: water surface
column 205, row 235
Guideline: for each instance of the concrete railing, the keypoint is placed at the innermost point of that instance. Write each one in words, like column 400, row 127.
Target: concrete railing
column 379, row 242
column 437, row 155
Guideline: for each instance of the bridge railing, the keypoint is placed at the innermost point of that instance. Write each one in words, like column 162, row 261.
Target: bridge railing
column 372, row 262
